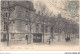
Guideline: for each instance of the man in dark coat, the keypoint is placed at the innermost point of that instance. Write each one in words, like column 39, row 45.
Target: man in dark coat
column 27, row 38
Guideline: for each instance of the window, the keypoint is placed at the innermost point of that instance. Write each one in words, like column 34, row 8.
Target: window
column 5, row 14
column 5, row 27
column 5, row 24
column 4, row 36
column 12, row 36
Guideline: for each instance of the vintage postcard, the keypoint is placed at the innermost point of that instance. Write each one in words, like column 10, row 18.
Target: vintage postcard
column 39, row 25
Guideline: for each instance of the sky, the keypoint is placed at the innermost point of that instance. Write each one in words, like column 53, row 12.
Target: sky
column 56, row 7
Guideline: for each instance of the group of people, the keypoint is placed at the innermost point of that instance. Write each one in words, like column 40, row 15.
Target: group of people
column 50, row 39
column 67, row 39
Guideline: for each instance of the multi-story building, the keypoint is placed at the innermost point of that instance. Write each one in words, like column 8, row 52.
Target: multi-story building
column 19, row 22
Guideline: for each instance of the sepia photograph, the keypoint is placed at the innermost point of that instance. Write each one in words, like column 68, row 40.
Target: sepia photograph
column 39, row 25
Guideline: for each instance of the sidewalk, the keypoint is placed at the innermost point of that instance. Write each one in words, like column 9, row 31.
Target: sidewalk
column 54, row 46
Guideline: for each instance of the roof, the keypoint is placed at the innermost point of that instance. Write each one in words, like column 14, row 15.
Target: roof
column 10, row 4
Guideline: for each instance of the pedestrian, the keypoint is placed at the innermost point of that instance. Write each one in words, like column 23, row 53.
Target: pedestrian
column 50, row 41
column 27, row 38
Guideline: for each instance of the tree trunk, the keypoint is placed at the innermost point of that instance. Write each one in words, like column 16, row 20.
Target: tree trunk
column 52, row 33
column 69, row 35
column 30, row 32
column 58, row 36
column 65, row 35
column 43, row 29
column 8, row 27
column 7, row 35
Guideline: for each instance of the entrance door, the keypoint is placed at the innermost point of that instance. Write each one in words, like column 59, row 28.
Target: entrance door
column 37, row 38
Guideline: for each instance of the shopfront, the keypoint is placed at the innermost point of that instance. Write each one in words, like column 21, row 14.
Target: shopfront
column 37, row 38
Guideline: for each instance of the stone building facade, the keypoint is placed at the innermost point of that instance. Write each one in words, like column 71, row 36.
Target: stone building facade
column 18, row 20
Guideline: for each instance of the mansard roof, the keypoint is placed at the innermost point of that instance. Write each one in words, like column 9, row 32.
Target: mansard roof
column 24, row 4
